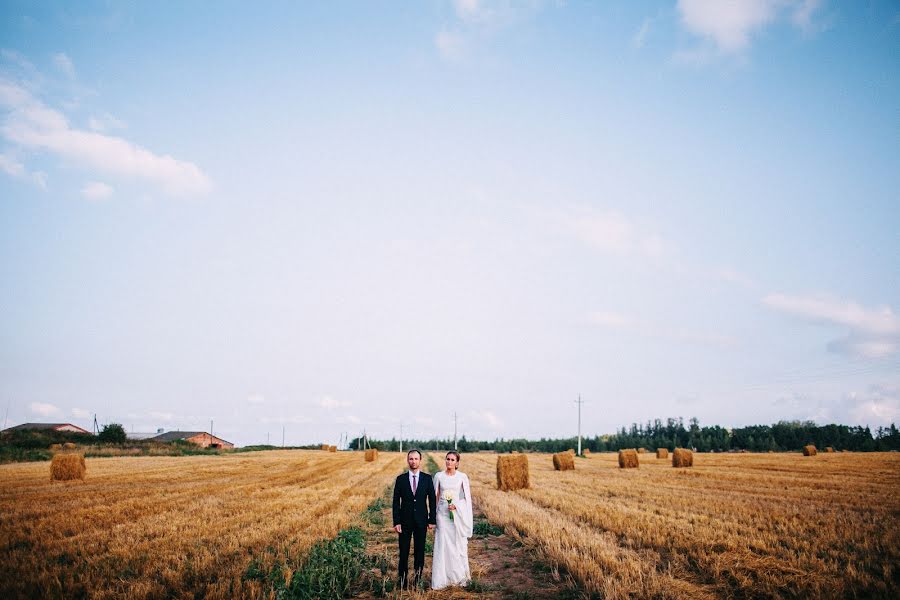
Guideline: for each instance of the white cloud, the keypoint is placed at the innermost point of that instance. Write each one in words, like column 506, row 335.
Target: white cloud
column 730, row 25
column 872, row 333
column 33, row 125
column 80, row 413
column 256, row 399
column 450, row 45
column 64, row 64
column 43, row 409
column 330, row 403
column 97, row 190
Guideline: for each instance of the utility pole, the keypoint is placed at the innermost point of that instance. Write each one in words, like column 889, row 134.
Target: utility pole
column 454, row 430
column 401, row 438
column 210, row 428
column 6, row 416
column 267, row 438
column 579, row 402
column 96, row 427
column 282, row 436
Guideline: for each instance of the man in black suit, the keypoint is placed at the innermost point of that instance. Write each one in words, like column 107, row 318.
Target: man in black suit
column 415, row 512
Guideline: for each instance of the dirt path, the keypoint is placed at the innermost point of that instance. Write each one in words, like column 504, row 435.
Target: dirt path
column 502, row 564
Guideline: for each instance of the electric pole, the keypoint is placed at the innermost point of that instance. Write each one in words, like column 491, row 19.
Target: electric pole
column 579, row 402
column 454, row 431
column 282, row 436
column 401, row 438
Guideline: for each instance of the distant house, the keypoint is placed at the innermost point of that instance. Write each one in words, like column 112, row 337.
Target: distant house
column 201, row 438
column 143, row 436
column 48, row 427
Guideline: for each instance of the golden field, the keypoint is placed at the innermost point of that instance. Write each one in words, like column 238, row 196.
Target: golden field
column 732, row 526
column 162, row 527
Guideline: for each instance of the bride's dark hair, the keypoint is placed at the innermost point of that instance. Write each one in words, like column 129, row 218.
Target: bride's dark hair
column 454, row 453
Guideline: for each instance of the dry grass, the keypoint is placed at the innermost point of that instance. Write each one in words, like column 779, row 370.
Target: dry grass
column 737, row 525
column 150, row 527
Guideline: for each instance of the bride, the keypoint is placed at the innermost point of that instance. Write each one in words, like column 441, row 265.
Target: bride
column 450, row 564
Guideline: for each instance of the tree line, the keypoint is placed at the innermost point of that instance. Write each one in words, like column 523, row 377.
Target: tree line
column 673, row 433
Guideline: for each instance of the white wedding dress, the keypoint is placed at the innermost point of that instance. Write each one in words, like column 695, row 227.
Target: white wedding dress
column 450, row 564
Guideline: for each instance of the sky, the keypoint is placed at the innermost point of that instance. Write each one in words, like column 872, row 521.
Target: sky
column 300, row 221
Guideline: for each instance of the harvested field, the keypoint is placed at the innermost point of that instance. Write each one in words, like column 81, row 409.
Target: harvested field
column 149, row 527
column 737, row 525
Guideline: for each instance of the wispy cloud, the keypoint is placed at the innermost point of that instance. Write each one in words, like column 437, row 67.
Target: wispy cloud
column 450, row 45
column 14, row 168
column 612, row 232
column 32, row 125
column 105, row 122
column 97, row 190
column 64, row 64
column 638, row 326
column 727, row 27
column 331, row 403
column 640, row 36
column 44, row 410
column 871, row 333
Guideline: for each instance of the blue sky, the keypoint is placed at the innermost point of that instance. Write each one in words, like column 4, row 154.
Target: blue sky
column 335, row 216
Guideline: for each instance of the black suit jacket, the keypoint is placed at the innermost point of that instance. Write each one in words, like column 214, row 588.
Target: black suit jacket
column 420, row 509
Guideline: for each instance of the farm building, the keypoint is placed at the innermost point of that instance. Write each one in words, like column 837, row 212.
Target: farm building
column 201, row 438
column 48, row 427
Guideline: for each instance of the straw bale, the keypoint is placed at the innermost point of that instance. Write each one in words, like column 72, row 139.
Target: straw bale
column 326, row 447
column 662, row 453
column 641, row 450
column 64, row 467
column 571, row 451
column 512, row 472
column 809, row 450
column 371, row 454
column 332, row 448
column 55, row 446
column 682, row 457
column 586, row 452
column 69, row 446
column 628, row 459
column 564, row 461
column 829, row 449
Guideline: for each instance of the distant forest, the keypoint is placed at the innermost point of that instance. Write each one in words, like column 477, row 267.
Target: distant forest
column 672, row 433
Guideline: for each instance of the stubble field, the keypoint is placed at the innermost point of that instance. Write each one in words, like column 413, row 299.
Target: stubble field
column 175, row 527
column 732, row 526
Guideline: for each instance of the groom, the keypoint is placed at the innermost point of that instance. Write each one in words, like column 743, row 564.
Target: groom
column 415, row 512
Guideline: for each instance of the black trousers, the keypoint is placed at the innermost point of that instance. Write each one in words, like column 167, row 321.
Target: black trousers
column 417, row 533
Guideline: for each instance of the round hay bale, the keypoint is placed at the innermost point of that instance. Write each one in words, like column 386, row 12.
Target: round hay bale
column 65, row 467
column 641, row 450
column 371, row 454
column 682, row 457
column 571, row 451
column 628, row 459
column 69, row 446
column 829, row 449
column 332, row 448
column 809, row 450
column 55, row 447
column 564, row 461
column 586, row 452
column 662, row 453
column 326, row 447
column 512, row 472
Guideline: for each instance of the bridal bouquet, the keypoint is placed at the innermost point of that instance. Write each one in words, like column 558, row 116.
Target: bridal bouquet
column 449, row 498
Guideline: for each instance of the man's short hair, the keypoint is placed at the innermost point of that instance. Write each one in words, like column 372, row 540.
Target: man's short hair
column 416, row 450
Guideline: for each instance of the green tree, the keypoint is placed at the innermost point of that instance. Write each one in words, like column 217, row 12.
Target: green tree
column 112, row 434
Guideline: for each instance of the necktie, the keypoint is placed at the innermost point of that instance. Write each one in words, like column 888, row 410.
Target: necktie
column 414, row 484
